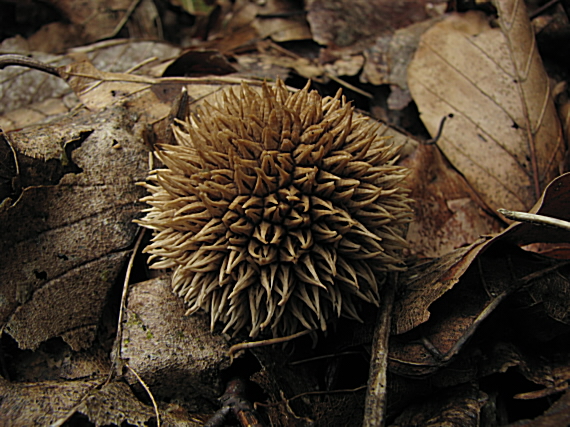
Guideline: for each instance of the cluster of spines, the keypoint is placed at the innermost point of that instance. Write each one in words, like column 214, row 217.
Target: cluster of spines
column 277, row 210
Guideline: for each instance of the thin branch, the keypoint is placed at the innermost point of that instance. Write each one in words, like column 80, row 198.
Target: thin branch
column 118, row 338
column 155, row 406
column 375, row 404
column 253, row 344
column 26, row 61
column 542, row 8
column 125, row 18
column 535, row 219
column 435, row 139
column 349, row 86
column 328, row 392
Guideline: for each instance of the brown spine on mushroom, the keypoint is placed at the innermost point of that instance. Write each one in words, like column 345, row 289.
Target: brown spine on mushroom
column 277, row 210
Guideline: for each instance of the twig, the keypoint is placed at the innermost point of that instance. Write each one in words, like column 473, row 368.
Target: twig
column 375, row 404
column 254, row 344
column 349, row 86
column 118, row 338
column 154, row 405
column 236, row 404
column 542, row 8
column 328, row 392
column 535, row 219
column 323, row 357
column 125, row 18
column 26, row 61
column 435, row 139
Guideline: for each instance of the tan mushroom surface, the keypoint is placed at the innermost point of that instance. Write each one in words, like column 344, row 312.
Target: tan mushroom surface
column 277, row 211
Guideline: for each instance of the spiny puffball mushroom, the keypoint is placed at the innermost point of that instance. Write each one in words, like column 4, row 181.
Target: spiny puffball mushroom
column 276, row 210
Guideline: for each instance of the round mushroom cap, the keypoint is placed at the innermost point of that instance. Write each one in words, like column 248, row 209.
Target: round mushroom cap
column 276, row 210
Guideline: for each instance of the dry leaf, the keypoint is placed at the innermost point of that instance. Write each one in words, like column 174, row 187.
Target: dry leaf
column 65, row 240
column 353, row 25
column 115, row 404
column 557, row 415
column 195, row 7
column 41, row 403
column 455, row 316
column 32, row 97
column 194, row 63
column 388, row 58
column 426, row 283
column 52, row 402
column 101, row 19
column 281, row 382
column 282, row 20
column 448, row 214
column 176, row 355
column 20, row 86
column 504, row 135
column 458, row 406
column 451, row 296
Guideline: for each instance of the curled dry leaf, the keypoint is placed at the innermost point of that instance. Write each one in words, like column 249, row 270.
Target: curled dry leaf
column 101, row 19
column 549, row 371
column 554, row 203
column 452, row 295
column 504, row 136
column 456, row 315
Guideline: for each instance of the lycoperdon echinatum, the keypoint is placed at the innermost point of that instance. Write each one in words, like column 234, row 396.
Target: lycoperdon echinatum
column 276, row 210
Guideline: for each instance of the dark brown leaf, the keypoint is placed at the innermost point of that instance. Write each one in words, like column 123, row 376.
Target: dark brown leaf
column 65, row 240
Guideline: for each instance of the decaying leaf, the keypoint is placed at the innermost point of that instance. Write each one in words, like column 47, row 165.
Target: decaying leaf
column 149, row 99
column 101, row 19
column 282, row 20
column 283, row 382
column 32, row 97
column 448, row 214
column 451, row 296
column 341, row 24
column 455, row 406
column 456, row 315
column 65, row 239
column 52, row 402
column 388, row 57
column 504, row 135
column 176, row 355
